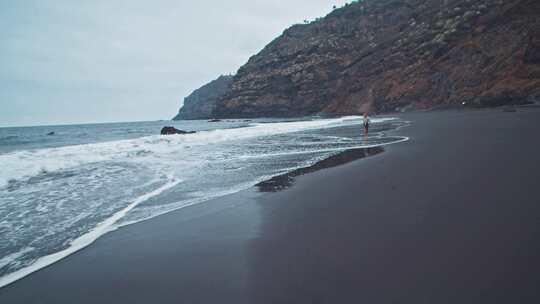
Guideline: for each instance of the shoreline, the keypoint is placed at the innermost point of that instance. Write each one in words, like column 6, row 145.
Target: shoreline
column 286, row 180
column 254, row 247
column 272, row 184
column 80, row 242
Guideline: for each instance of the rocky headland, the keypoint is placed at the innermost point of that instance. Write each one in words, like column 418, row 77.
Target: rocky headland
column 384, row 56
column 200, row 104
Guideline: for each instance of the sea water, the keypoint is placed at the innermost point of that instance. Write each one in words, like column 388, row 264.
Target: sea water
column 62, row 187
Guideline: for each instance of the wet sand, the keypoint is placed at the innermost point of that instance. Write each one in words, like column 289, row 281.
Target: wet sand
column 451, row 216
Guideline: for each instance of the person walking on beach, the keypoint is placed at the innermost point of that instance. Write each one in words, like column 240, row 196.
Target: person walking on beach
column 367, row 121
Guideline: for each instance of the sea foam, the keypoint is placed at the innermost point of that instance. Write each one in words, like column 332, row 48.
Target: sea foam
column 23, row 164
column 82, row 241
column 94, row 188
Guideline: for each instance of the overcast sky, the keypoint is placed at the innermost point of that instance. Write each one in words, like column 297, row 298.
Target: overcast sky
column 64, row 61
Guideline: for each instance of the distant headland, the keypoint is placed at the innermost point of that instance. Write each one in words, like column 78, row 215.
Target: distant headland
column 386, row 56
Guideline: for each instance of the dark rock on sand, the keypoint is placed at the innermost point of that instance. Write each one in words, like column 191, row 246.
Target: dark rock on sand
column 173, row 130
column 214, row 120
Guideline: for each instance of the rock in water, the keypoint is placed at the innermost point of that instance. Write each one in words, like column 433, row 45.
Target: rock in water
column 173, row 130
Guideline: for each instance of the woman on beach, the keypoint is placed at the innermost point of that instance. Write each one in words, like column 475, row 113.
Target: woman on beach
column 367, row 121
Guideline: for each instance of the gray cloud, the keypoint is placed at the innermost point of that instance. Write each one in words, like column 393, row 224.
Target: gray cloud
column 95, row 61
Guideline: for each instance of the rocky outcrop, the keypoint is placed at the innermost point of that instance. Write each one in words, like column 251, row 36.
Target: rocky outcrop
column 387, row 55
column 200, row 104
column 173, row 130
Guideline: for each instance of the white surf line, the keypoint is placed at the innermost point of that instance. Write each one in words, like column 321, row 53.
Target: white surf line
column 84, row 240
column 22, row 164
column 248, row 185
column 401, row 139
column 107, row 225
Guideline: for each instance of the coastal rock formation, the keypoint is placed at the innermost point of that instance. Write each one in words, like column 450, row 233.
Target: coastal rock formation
column 201, row 102
column 390, row 55
column 173, row 130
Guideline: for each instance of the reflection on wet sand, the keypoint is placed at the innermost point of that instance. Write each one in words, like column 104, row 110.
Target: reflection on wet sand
column 286, row 180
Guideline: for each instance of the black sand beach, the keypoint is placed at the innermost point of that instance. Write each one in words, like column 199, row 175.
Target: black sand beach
column 451, row 216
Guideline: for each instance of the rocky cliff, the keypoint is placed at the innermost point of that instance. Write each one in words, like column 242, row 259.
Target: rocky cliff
column 387, row 55
column 201, row 103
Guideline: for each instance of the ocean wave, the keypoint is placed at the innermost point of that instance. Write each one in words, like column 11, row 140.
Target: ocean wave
column 24, row 164
column 78, row 243
column 8, row 138
column 59, row 200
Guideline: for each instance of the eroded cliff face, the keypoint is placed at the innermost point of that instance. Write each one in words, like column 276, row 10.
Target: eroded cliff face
column 387, row 55
column 200, row 104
